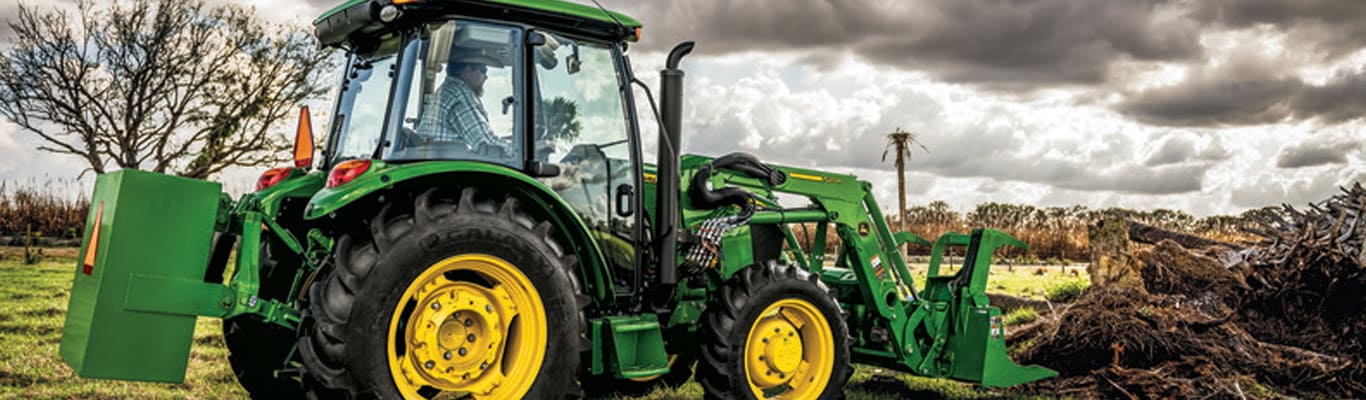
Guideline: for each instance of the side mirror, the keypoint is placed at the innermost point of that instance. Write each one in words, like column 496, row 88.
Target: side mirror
column 572, row 61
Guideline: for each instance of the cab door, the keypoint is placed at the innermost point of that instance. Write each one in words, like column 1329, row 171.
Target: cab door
column 581, row 125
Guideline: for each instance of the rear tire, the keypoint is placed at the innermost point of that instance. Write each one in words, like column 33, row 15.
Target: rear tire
column 363, row 334
column 758, row 321
column 257, row 349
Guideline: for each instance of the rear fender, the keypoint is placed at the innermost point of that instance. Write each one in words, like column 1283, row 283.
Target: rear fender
column 381, row 177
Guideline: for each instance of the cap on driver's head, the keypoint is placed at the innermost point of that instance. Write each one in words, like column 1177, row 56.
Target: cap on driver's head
column 474, row 56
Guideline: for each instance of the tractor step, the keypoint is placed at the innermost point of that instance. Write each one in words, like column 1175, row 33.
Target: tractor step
column 629, row 346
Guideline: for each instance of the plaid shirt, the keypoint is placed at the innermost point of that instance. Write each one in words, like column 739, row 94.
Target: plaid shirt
column 458, row 116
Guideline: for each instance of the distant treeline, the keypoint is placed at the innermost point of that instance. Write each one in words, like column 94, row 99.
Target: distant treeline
column 41, row 213
column 1055, row 234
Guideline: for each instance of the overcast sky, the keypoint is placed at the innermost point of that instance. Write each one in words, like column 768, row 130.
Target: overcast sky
column 1211, row 106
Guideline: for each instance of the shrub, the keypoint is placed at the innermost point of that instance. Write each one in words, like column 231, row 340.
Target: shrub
column 1022, row 315
column 1067, row 291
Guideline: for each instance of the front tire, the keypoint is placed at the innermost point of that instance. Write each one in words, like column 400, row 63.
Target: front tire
column 774, row 331
column 468, row 296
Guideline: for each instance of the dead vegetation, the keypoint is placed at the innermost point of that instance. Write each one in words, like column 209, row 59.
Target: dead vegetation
column 27, row 212
column 1282, row 317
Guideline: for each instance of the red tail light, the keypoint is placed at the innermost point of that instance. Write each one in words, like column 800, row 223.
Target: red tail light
column 346, row 171
column 272, row 177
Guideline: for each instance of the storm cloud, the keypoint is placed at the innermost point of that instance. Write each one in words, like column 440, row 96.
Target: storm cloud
column 1247, row 95
column 1011, row 42
column 1178, row 148
column 1334, row 27
column 1317, row 152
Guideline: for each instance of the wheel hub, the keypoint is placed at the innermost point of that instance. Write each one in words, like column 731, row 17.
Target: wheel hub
column 787, row 351
column 458, row 335
column 464, row 337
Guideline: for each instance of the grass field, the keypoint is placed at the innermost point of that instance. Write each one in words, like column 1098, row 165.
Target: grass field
column 33, row 301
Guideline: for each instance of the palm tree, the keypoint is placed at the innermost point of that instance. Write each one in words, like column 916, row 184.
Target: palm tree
column 900, row 141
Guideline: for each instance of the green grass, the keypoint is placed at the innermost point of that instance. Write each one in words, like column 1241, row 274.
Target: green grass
column 33, row 301
column 1067, row 291
column 1035, row 282
column 1021, row 316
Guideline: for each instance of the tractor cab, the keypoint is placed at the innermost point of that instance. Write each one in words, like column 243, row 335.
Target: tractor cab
column 535, row 96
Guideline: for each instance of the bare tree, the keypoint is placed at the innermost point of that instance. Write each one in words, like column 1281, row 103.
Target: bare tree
column 169, row 86
column 899, row 142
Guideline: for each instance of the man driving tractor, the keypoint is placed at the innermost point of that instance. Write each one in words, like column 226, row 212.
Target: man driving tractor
column 459, row 115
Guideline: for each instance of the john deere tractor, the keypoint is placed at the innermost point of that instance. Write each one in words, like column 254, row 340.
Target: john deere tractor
column 481, row 222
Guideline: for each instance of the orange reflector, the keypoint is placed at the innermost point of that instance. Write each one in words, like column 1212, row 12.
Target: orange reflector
column 303, row 141
column 406, row 1
column 637, row 33
column 88, row 265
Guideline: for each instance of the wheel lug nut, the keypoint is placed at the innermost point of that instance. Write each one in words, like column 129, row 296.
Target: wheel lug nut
column 483, row 365
column 436, row 306
column 469, row 322
column 488, row 307
column 430, row 365
column 447, row 355
column 470, row 337
column 761, row 358
column 765, row 340
column 456, row 315
column 462, row 352
column 776, row 330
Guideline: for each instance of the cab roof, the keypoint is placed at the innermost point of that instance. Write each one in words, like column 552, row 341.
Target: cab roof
column 361, row 16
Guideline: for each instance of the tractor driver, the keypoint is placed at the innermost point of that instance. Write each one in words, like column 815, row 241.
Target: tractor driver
column 458, row 114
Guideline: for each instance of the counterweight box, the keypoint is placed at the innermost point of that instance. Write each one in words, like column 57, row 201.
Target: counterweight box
column 143, row 230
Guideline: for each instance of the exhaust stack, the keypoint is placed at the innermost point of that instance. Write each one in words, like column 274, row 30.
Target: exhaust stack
column 666, row 202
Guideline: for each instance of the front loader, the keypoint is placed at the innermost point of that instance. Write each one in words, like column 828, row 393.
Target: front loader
column 520, row 246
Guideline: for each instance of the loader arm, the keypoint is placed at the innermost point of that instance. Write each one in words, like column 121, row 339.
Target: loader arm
column 946, row 329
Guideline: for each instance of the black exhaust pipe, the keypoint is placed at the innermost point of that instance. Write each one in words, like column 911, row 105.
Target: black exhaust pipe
column 666, row 202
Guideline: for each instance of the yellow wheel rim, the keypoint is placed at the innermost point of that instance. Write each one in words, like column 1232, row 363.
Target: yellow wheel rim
column 470, row 324
column 789, row 353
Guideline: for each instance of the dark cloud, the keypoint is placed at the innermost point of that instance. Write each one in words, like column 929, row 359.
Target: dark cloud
column 1178, row 148
column 1341, row 99
column 1252, row 93
column 1335, row 27
column 1007, row 42
column 1315, row 153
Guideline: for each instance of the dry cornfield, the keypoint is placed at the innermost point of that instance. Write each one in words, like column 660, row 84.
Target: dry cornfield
column 45, row 213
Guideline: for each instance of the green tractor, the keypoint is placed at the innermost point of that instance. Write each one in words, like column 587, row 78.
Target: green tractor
column 482, row 223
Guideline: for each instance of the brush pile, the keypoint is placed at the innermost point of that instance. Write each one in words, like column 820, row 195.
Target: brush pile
column 1282, row 317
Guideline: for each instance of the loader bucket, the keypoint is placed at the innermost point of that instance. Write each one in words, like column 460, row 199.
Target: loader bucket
column 145, row 251
column 977, row 345
column 980, row 353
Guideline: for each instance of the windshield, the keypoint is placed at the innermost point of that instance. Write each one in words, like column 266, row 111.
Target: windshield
column 359, row 120
column 462, row 101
